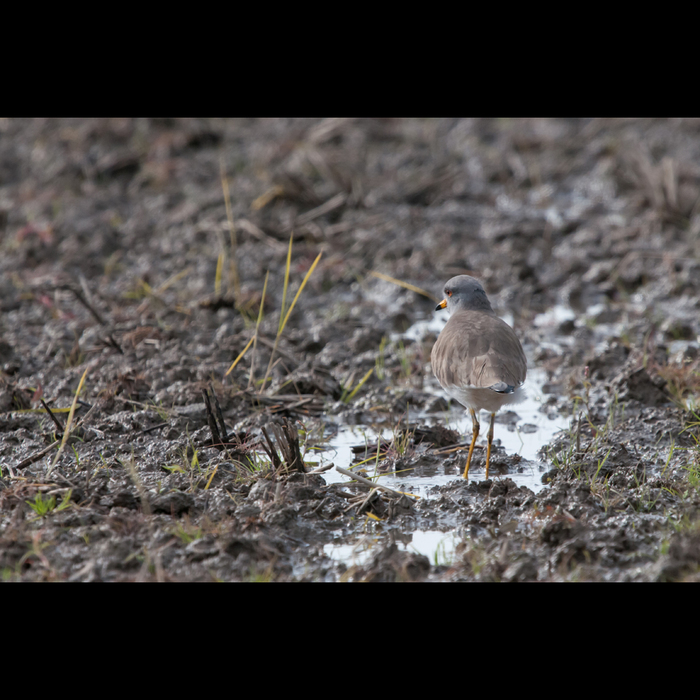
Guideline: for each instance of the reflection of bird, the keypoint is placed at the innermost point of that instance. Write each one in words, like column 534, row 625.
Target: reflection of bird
column 477, row 357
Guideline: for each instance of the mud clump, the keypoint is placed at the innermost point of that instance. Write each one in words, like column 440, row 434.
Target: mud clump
column 392, row 565
column 637, row 385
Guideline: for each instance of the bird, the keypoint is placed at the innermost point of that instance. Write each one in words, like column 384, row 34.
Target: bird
column 477, row 357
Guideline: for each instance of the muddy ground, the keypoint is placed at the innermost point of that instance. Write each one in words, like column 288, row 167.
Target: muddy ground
column 117, row 264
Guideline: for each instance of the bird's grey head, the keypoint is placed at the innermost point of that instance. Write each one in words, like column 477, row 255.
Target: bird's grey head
column 464, row 293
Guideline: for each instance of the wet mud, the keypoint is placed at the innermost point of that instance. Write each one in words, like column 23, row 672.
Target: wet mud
column 171, row 410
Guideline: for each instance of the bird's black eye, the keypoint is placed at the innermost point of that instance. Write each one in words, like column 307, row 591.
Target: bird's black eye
column 449, row 292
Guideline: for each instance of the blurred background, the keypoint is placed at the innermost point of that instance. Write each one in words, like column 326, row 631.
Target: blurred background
column 127, row 232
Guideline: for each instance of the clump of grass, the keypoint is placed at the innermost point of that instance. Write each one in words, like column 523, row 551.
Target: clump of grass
column 187, row 531
column 692, row 465
column 571, row 457
column 404, row 360
column 285, row 313
column 257, row 464
column 190, row 466
column 683, row 383
column 564, row 458
column 284, row 318
column 43, row 506
column 403, row 438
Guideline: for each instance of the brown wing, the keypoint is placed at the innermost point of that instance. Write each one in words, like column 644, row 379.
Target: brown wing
column 479, row 350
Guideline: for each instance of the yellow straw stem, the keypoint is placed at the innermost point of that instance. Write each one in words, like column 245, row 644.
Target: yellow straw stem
column 219, row 270
column 265, row 198
column 303, row 284
column 405, row 285
column 170, row 281
column 286, row 318
column 211, row 477
column 257, row 325
column 359, row 385
column 233, row 261
column 69, row 422
column 240, row 357
column 286, row 282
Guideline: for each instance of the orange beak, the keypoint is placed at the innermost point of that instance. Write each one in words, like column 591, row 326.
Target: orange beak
column 441, row 305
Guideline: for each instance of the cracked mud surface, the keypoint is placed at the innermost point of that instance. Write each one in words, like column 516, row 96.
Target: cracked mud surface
column 117, row 263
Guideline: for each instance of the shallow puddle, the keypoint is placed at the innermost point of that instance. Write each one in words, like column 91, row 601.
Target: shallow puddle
column 438, row 546
column 526, row 437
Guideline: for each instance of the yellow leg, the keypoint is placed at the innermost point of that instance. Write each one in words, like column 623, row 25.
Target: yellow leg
column 488, row 449
column 475, row 435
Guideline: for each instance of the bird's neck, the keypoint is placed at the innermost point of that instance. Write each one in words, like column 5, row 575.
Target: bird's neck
column 482, row 306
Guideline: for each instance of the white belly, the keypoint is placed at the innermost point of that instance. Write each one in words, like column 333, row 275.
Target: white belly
column 486, row 399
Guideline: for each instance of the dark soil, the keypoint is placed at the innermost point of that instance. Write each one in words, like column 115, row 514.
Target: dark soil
column 111, row 231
